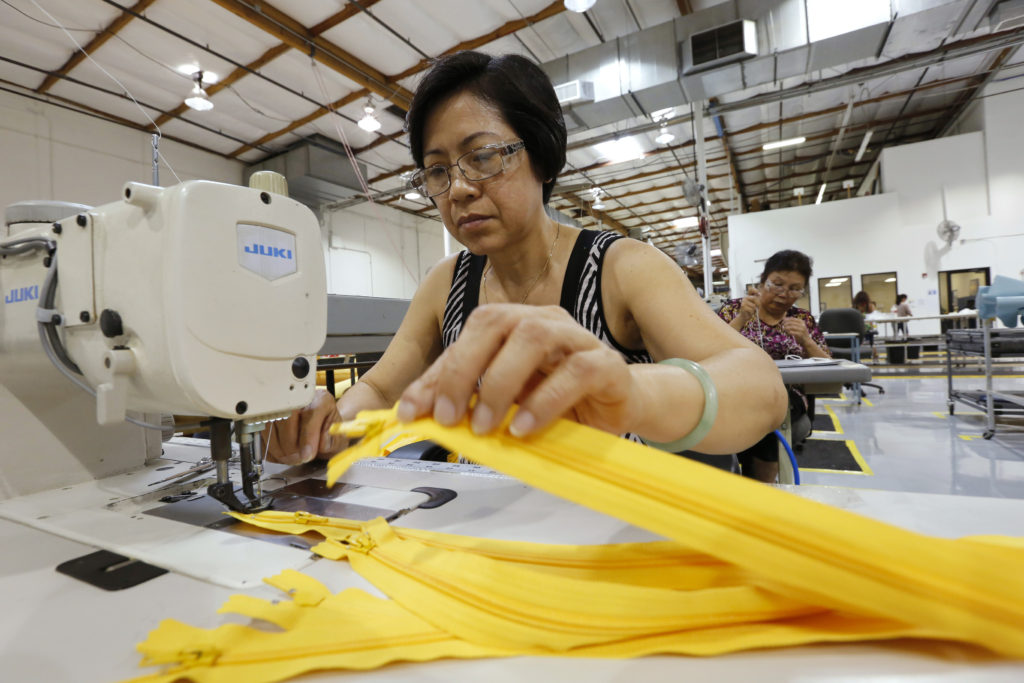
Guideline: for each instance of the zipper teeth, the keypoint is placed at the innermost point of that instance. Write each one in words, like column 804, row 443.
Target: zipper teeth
column 294, row 653
column 703, row 560
column 562, row 625
column 527, row 558
column 599, row 471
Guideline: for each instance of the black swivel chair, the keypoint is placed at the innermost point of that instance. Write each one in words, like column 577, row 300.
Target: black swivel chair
column 846, row 320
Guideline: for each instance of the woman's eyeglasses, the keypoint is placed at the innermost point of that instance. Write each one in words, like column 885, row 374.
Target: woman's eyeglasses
column 478, row 164
column 775, row 288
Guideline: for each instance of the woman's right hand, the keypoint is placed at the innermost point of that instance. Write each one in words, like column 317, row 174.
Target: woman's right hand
column 748, row 307
column 304, row 434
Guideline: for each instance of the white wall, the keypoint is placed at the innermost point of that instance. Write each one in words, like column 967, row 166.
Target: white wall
column 47, row 152
column 983, row 175
column 375, row 250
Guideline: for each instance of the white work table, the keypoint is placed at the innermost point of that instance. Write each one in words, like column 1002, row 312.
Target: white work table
column 56, row 629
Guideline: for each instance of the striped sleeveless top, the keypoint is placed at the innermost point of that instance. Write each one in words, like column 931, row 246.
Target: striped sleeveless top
column 581, row 292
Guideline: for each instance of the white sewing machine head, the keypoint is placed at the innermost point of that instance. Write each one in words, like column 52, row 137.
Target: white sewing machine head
column 198, row 299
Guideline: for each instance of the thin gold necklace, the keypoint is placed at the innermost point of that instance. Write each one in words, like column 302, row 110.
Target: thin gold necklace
column 547, row 264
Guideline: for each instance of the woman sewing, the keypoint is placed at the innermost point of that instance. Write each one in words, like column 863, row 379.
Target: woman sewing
column 565, row 322
column 767, row 317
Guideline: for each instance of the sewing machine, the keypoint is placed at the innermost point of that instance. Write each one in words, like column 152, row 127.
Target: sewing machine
column 198, row 299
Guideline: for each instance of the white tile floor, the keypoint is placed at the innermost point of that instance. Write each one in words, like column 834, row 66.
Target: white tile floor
column 911, row 443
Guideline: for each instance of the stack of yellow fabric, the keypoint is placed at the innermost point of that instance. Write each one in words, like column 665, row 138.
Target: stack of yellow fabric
column 747, row 566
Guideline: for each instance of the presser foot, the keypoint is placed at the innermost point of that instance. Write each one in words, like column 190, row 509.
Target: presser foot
column 225, row 493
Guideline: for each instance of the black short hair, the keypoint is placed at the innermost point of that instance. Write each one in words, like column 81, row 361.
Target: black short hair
column 518, row 88
column 900, row 298
column 861, row 300
column 788, row 260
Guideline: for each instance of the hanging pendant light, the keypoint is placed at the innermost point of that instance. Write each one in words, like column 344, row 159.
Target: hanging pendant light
column 579, row 5
column 198, row 99
column 369, row 122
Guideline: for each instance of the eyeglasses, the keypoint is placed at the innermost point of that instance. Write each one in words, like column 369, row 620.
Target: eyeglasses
column 478, row 164
column 783, row 289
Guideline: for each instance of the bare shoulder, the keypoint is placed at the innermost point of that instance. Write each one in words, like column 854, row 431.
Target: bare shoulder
column 433, row 289
column 631, row 261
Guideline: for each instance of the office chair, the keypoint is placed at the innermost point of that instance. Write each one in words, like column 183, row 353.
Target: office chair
column 846, row 320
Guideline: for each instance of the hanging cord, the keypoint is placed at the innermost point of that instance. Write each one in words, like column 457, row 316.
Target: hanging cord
column 792, row 457
column 355, row 166
column 111, row 77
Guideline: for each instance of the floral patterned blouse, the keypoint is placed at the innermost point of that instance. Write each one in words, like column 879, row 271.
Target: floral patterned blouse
column 772, row 338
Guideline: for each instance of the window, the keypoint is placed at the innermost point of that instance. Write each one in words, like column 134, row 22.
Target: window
column 835, row 292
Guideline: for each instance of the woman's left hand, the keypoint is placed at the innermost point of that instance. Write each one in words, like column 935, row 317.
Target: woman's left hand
column 539, row 357
column 797, row 329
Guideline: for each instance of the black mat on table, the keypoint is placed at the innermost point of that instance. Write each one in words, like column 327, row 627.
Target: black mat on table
column 824, row 423
column 822, row 454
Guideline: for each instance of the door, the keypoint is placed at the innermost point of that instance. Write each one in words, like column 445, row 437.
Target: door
column 958, row 289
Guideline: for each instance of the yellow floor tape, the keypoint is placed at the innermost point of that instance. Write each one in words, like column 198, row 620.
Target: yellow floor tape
column 747, row 566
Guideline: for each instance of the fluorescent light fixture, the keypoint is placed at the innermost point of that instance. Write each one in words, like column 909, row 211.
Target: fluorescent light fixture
column 190, row 70
column 724, row 269
column 828, row 18
column 198, row 99
column 783, row 143
column 413, row 195
column 715, row 252
column 579, row 5
column 663, row 114
column 863, row 145
column 623, row 149
column 718, row 282
column 839, row 280
column 821, row 193
column 688, row 222
column 833, row 284
column 890, row 279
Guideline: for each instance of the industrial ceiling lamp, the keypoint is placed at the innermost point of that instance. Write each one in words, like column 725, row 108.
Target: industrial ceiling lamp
column 596, row 193
column 198, row 99
column 579, row 5
column 664, row 137
column 369, row 122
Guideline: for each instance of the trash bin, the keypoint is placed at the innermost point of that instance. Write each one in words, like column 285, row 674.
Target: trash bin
column 913, row 352
column 897, row 355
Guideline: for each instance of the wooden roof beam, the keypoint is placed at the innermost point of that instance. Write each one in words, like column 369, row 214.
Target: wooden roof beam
column 288, row 30
column 103, row 36
column 264, row 59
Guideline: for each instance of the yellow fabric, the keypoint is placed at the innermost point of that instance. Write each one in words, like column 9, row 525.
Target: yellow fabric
column 356, row 631
column 748, row 566
column 968, row 591
column 660, row 563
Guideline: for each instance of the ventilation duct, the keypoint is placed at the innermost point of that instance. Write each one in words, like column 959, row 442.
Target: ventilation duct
column 719, row 46
column 1007, row 15
column 574, row 92
column 652, row 69
column 318, row 172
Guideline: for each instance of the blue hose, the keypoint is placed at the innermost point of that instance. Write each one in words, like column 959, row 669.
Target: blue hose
column 792, row 458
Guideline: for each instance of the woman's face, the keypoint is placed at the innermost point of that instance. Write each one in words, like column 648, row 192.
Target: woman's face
column 781, row 289
column 484, row 215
